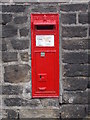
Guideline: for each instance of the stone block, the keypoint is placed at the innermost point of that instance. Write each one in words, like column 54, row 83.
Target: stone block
column 13, row 8
column 24, row 32
column 75, row 57
column 40, row 113
column 17, row 73
column 6, row 18
column 9, row 31
column 74, row 31
column 74, row 7
column 4, row 45
column 50, row 103
column 75, row 70
column 32, row 103
column 45, row 8
column 75, row 97
column 83, row 18
column 9, row 56
column 11, row 90
column 75, row 44
column 24, row 56
column 89, row 83
column 75, row 83
column 9, row 114
column 73, row 111
column 20, row 44
column 68, row 18
column 20, row 19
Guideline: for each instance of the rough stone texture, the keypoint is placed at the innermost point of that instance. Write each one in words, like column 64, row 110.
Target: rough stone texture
column 45, row 8
column 74, row 70
column 75, row 57
column 75, row 44
column 89, row 83
column 24, row 56
column 73, row 111
column 9, row 56
column 13, row 8
column 74, row 31
column 50, row 103
column 20, row 19
column 75, row 97
column 39, row 113
column 20, row 44
column 9, row 31
column 24, row 32
column 75, row 83
column 10, row 114
column 83, row 18
column 16, row 88
column 22, row 102
column 68, row 18
column 11, row 90
column 4, row 46
column 74, row 7
column 6, row 18
column 17, row 73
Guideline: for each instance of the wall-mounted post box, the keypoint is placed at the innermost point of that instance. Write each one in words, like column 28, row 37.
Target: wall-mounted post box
column 45, row 55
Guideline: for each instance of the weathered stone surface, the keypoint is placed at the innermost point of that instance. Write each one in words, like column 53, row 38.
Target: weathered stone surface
column 24, row 56
column 20, row 19
column 75, row 57
column 73, row 111
column 74, row 7
column 24, row 32
column 75, row 97
column 50, row 103
column 6, row 18
column 13, row 101
column 13, row 8
column 11, row 114
column 4, row 45
column 20, row 44
column 17, row 73
column 33, row 103
column 75, row 44
column 45, row 8
column 83, row 18
column 75, row 83
column 40, row 113
column 74, row 31
column 88, row 57
column 88, row 82
column 89, row 99
column 11, row 90
column 1, row 74
column 74, row 70
column 68, row 18
column 89, row 17
column 9, row 56
column 9, row 31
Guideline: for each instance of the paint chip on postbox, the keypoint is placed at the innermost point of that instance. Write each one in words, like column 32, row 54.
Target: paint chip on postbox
column 45, row 40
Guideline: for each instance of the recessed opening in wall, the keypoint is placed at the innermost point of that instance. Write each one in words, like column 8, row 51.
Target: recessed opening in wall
column 45, row 27
column 45, row 55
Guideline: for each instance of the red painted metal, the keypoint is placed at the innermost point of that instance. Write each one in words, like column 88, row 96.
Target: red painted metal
column 45, row 59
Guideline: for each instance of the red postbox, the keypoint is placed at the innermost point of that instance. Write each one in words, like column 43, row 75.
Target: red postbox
column 45, row 55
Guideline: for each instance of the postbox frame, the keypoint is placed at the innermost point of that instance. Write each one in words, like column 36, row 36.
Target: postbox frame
column 33, row 33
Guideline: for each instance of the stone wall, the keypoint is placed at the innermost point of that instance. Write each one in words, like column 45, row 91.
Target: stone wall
column 16, row 99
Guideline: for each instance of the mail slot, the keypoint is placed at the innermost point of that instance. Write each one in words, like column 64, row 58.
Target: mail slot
column 45, row 55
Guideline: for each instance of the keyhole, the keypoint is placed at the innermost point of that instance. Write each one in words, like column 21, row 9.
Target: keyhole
column 40, row 77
